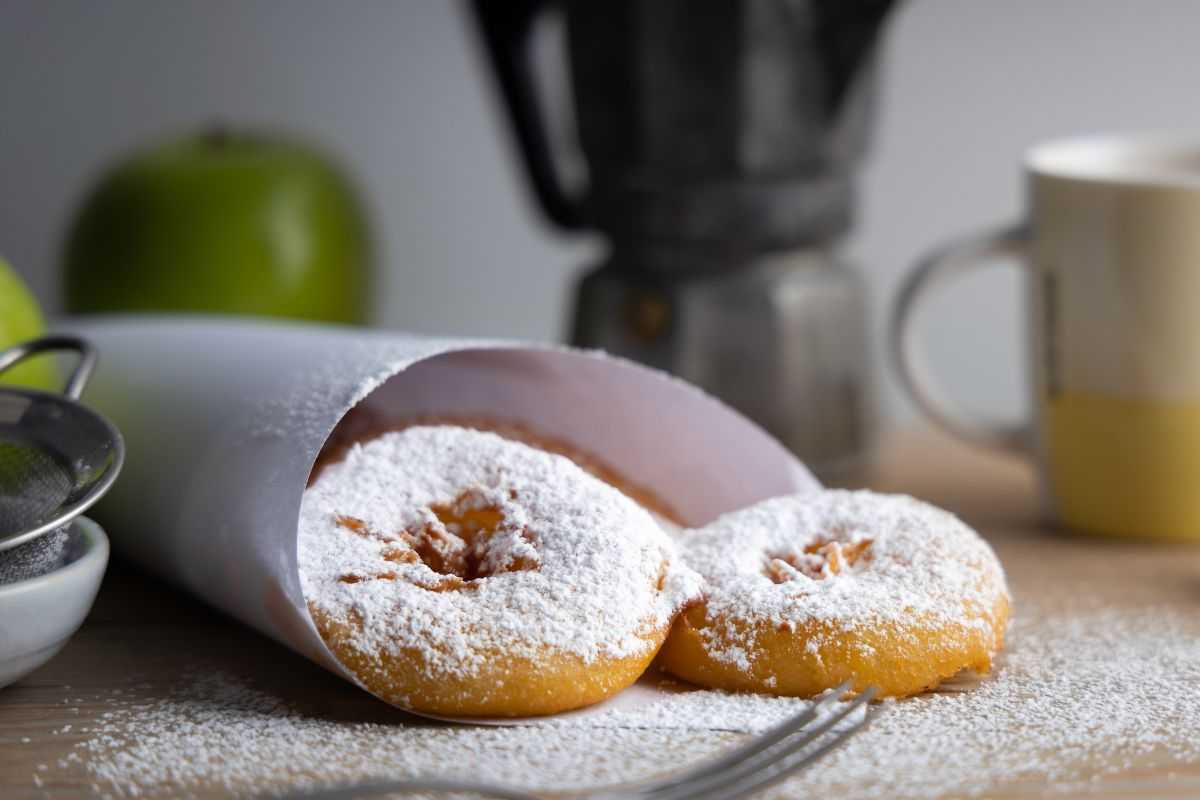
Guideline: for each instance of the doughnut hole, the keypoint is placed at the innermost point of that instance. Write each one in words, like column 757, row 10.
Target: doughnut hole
column 818, row 560
column 467, row 540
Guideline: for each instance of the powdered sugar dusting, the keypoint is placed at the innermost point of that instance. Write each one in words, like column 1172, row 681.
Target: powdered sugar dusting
column 569, row 552
column 1082, row 694
column 301, row 405
column 850, row 559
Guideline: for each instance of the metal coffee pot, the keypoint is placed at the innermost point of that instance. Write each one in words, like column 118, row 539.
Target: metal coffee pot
column 721, row 140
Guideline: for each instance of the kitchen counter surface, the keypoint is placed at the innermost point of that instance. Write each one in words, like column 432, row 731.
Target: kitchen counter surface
column 143, row 638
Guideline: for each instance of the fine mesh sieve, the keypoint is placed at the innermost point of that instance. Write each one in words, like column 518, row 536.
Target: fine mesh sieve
column 57, row 457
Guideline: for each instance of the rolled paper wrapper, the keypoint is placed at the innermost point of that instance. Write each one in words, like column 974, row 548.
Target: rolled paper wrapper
column 223, row 419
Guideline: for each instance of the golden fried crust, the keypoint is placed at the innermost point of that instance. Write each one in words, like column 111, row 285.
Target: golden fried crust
column 504, row 686
column 899, row 659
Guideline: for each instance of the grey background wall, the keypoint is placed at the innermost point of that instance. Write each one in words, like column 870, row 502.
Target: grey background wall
column 396, row 91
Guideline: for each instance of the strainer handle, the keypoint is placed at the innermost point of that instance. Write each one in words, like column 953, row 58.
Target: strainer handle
column 83, row 370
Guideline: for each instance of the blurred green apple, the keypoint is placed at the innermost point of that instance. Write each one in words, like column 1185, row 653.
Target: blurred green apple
column 221, row 223
column 20, row 320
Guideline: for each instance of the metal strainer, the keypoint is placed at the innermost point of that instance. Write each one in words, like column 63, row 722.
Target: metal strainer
column 57, row 457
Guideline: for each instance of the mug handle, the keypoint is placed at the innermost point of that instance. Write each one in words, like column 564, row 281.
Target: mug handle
column 1010, row 244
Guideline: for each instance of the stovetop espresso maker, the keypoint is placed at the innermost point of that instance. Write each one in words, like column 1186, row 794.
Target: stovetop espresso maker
column 721, row 139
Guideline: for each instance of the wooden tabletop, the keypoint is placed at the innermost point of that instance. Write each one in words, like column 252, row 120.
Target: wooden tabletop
column 143, row 635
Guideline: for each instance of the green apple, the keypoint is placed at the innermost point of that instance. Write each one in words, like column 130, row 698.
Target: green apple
column 221, row 223
column 21, row 320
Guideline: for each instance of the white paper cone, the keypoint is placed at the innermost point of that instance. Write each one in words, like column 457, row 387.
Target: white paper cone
column 223, row 419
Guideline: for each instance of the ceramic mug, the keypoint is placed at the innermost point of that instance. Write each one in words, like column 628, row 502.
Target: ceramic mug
column 1112, row 252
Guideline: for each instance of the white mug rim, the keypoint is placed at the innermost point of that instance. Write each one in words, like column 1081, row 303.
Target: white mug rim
column 1151, row 159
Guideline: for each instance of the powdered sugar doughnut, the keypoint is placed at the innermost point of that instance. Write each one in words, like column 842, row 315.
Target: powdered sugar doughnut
column 458, row 573
column 806, row 591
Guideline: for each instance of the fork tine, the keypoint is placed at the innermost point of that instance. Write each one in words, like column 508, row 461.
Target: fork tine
column 752, row 748
column 762, row 778
column 734, row 774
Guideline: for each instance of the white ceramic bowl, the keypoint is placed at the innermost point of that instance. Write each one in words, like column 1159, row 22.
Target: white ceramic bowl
column 38, row 615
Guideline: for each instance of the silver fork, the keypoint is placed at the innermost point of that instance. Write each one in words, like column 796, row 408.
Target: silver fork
column 764, row 761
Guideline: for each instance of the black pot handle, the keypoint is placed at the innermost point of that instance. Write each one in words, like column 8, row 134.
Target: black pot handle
column 507, row 27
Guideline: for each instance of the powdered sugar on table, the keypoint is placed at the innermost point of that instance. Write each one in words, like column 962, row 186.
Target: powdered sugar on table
column 1083, row 692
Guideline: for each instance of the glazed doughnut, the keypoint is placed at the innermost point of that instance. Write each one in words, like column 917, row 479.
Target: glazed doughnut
column 457, row 573
column 806, row 591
